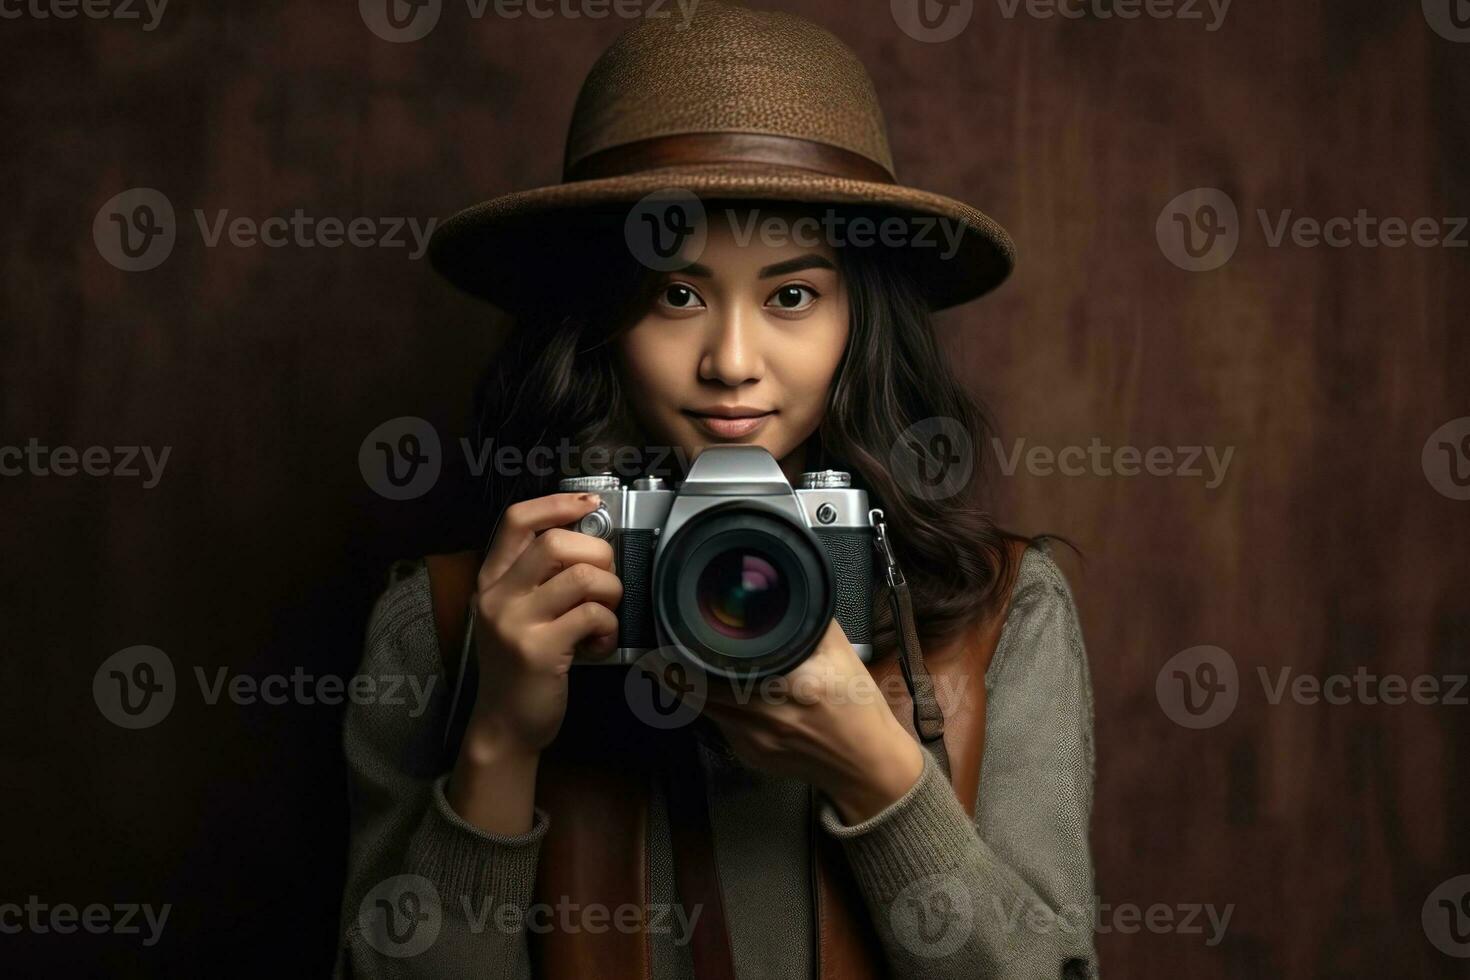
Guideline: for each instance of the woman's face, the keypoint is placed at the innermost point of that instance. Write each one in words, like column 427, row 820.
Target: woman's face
column 740, row 346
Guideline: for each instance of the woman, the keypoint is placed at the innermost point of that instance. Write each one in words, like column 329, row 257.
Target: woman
column 823, row 837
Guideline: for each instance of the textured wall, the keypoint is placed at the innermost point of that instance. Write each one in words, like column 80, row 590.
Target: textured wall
column 1326, row 546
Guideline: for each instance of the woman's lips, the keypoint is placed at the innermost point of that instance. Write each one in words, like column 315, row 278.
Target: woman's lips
column 725, row 428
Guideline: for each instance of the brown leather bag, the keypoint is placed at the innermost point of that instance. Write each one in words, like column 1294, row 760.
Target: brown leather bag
column 594, row 783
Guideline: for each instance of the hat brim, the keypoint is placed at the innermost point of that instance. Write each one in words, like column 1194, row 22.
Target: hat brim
column 515, row 250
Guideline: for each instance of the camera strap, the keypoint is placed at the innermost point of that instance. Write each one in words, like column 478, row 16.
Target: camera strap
column 928, row 715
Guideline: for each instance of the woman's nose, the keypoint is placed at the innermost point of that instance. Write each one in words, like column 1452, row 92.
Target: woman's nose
column 732, row 354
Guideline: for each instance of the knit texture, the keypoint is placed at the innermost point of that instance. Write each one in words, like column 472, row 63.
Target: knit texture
column 1007, row 894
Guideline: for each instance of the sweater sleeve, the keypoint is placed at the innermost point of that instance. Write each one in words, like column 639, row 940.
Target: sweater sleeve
column 427, row 894
column 1011, row 893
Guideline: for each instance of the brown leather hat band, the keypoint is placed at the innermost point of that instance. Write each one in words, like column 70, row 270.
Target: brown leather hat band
column 684, row 149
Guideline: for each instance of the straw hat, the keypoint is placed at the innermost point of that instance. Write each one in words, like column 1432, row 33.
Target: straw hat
column 734, row 106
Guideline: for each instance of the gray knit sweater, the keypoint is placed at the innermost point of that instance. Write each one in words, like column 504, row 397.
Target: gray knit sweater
column 1009, row 894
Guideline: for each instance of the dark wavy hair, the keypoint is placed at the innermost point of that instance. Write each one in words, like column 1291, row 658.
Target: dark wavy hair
column 555, row 383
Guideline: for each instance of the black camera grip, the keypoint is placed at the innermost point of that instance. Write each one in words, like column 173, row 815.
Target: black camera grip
column 635, row 568
column 850, row 552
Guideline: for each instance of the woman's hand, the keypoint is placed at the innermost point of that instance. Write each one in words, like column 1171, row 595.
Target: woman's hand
column 824, row 722
column 542, row 594
column 542, row 591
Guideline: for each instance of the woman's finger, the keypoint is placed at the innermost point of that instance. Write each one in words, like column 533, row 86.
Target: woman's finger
column 522, row 521
column 572, row 586
column 578, row 624
column 552, row 552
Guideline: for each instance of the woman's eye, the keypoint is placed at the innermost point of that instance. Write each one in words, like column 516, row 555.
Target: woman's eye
column 793, row 299
column 681, row 297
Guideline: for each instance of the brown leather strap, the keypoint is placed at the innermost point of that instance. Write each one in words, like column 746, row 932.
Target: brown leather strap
column 705, row 148
column 596, row 811
column 928, row 715
column 452, row 580
column 451, row 586
column 695, row 868
column 846, row 943
column 594, row 853
column 846, row 947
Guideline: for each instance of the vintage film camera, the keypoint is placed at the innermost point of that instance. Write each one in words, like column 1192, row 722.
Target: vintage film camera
column 735, row 572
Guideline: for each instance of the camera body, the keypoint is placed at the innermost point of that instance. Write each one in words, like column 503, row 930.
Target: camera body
column 736, row 572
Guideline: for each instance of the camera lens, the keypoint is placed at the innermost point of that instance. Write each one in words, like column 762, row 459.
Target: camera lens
column 741, row 593
column 742, row 590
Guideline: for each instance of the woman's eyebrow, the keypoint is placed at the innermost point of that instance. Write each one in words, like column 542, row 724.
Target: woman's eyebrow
column 784, row 267
column 812, row 261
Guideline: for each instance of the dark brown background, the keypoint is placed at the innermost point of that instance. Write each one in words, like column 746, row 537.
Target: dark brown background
column 1325, row 549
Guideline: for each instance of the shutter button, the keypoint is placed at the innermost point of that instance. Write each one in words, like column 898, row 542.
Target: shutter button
column 598, row 523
